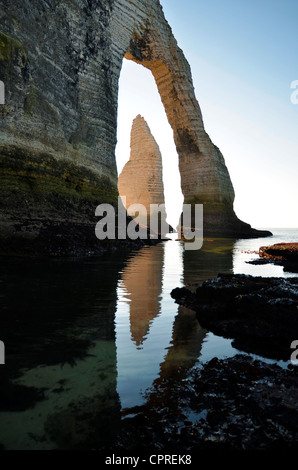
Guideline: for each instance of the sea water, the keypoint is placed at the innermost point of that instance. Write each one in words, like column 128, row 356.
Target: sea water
column 88, row 338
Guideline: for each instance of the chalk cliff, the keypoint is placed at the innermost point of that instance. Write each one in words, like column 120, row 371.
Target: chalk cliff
column 141, row 178
column 60, row 63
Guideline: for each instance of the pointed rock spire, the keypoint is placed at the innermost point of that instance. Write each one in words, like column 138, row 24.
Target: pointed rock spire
column 141, row 178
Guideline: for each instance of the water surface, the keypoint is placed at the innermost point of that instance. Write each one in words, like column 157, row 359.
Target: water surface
column 86, row 339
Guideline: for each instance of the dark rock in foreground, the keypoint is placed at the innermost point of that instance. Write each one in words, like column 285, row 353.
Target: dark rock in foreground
column 259, row 314
column 233, row 404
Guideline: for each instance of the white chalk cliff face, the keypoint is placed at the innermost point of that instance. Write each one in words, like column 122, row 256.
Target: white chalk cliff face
column 60, row 62
column 140, row 181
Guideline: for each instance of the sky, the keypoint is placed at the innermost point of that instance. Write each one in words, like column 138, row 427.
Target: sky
column 243, row 57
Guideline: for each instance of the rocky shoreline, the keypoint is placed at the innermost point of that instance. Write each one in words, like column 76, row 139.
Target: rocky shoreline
column 259, row 314
column 67, row 239
column 235, row 404
column 284, row 254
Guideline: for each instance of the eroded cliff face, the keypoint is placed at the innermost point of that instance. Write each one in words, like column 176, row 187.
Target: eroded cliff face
column 140, row 181
column 58, row 126
column 60, row 62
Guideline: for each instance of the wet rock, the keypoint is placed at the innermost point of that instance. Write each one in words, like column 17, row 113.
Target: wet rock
column 284, row 254
column 235, row 404
column 259, row 314
column 258, row 262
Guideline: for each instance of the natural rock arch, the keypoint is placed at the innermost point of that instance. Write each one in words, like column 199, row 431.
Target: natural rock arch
column 204, row 176
column 60, row 63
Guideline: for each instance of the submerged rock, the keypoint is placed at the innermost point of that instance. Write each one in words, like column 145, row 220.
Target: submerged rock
column 259, row 314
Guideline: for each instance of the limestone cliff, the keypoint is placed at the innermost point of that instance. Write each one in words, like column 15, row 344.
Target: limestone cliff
column 141, row 178
column 60, row 63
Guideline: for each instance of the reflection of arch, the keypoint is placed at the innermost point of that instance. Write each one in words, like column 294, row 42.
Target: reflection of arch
column 186, row 345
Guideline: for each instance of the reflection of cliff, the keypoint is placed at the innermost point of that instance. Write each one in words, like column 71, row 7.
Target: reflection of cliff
column 186, row 346
column 198, row 265
column 142, row 279
column 216, row 256
column 188, row 336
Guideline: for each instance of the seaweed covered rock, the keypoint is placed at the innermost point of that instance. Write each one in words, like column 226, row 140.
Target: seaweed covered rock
column 285, row 254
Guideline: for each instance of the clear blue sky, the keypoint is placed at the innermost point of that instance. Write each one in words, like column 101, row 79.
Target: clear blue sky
column 243, row 57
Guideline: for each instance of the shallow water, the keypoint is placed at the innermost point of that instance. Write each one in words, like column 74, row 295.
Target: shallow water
column 93, row 335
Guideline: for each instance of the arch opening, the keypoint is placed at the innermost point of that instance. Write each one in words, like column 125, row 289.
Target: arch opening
column 138, row 95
